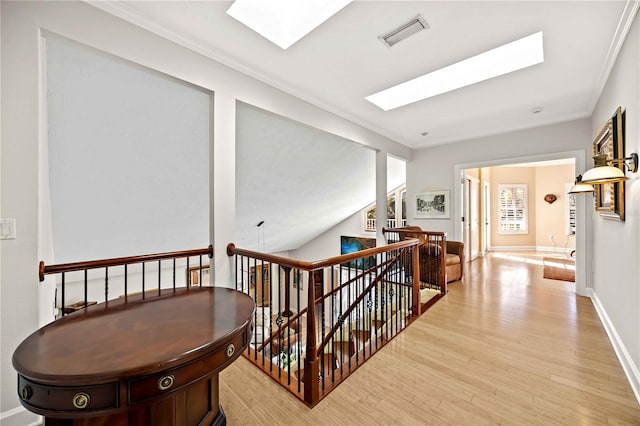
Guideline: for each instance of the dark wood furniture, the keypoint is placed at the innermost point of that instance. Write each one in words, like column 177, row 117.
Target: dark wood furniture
column 143, row 361
column 430, row 256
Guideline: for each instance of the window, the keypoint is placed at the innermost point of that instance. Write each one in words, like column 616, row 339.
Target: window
column 512, row 209
column 570, row 213
column 369, row 213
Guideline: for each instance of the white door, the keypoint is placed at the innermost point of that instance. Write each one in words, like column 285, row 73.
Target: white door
column 486, row 216
column 474, row 218
column 466, row 234
column 471, row 217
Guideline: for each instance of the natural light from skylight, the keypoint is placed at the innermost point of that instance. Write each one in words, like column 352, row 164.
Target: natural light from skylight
column 284, row 22
column 507, row 58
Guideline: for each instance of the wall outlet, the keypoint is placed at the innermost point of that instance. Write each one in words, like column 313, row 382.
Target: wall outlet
column 8, row 229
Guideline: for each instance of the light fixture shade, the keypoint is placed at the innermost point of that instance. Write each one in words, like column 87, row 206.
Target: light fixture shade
column 604, row 174
column 581, row 188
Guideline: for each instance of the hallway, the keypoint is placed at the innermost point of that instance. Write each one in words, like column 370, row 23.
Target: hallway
column 505, row 347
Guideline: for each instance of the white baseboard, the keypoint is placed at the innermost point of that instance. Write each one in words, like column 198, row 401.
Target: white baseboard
column 630, row 369
column 513, row 248
column 532, row 248
column 11, row 412
column 22, row 417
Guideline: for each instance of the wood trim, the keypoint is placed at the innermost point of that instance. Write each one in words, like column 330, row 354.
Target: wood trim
column 310, row 266
column 104, row 263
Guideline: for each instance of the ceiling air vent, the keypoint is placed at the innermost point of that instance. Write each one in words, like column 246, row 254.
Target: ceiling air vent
column 405, row 30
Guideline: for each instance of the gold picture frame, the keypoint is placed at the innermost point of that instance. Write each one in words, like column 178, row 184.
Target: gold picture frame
column 610, row 141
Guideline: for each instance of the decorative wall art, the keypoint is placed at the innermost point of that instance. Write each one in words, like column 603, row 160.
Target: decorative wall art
column 610, row 141
column 433, row 205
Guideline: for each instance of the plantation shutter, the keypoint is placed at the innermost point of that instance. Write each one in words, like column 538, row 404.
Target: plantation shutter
column 513, row 208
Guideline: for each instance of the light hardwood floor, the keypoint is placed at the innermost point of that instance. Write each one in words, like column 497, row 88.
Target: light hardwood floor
column 505, row 347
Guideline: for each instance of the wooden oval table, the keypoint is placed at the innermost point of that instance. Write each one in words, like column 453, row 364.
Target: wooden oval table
column 143, row 361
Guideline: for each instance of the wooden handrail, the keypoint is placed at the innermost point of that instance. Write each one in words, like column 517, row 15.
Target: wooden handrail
column 319, row 299
column 95, row 264
column 442, row 244
column 315, row 379
column 355, row 303
column 411, row 231
column 311, row 266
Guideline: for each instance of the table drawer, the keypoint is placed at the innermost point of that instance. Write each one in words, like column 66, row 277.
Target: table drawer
column 141, row 389
column 67, row 399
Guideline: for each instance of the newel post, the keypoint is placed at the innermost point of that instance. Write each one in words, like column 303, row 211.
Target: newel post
column 417, row 304
column 311, row 362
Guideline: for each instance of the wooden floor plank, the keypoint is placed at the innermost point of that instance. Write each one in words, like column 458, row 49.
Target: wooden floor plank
column 504, row 347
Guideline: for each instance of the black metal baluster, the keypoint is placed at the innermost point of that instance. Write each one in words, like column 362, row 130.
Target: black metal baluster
column 254, row 279
column 106, row 284
column 63, row 294
column 143, row 279
column 159, row 276
column 86, row 290
column 188, row 275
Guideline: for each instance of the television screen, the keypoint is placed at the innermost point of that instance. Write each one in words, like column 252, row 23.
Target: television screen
column 353, row 244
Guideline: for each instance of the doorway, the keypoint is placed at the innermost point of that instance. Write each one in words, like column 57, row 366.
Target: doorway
column 490, row 229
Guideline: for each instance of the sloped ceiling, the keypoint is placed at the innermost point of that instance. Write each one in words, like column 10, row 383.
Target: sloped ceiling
column 296, row 180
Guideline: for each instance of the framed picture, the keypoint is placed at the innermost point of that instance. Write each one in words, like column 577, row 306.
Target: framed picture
column 610, row 142
column 433, row 205
column 198, row 276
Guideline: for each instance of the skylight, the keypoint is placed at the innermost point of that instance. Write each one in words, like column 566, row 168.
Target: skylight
column 507, row 58
column 284, row 22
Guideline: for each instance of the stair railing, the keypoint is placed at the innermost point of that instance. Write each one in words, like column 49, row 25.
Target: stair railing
column 90, row 282
column 432, row 251
column 316, row 322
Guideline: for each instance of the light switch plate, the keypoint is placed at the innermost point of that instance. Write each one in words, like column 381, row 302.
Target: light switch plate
column 8, row 229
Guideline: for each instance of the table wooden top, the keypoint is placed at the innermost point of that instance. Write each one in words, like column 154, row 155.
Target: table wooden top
column 121, row 339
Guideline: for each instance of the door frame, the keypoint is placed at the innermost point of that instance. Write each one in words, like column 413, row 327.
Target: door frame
column 582, row 218
column 485, row 245
column 467, row 235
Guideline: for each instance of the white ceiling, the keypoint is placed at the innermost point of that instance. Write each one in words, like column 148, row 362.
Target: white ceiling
column 342, row 61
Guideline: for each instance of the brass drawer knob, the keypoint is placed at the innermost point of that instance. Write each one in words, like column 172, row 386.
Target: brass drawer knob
column 230, row 350
column 81, row 400
column 26, row 393
column 165, row 382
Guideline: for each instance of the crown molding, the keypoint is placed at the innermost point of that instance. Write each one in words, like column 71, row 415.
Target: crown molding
column 624, row 25
column 124, row 10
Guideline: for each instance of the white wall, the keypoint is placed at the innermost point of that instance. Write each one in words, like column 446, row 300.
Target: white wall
column 328, row 244
column 435, row 167
column 441, row 167
column 22, row 23
column 128, row 157
column 616, row 252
